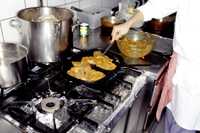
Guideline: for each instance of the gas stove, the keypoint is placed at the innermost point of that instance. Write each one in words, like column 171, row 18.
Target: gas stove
column 49, row 102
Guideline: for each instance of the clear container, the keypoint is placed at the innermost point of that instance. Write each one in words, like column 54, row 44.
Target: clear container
column 136, row 44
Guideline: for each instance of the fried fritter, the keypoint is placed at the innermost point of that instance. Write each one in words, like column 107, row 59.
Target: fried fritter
column 86, row 73
column 102, row 61
column 83, row 70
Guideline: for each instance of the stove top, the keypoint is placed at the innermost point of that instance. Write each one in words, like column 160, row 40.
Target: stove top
column 51, row 103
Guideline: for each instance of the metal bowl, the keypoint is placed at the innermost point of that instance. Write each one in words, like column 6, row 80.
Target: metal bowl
column 110, row 21
column 136, row 44
column 107, row 23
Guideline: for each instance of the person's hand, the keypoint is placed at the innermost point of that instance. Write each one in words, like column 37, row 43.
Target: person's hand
column 119, row 30
column 122, row 29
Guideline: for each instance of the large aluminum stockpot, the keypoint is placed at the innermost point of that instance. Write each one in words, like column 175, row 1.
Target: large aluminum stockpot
column 13, row 64
column 46, row 31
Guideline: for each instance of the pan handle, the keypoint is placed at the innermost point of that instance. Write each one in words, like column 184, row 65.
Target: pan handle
column 58, row 29
column 76, row 9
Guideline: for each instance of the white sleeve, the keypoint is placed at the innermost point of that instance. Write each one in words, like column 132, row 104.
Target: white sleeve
column 158, row 8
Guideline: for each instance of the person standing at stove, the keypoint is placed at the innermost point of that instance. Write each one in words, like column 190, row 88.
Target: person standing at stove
column 181, row 89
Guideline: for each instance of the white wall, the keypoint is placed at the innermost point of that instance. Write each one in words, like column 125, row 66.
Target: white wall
column 9, row 8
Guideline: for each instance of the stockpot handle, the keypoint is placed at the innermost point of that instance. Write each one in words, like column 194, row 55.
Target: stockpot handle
column 74, row 27
column 58, row 29
column 17, row 24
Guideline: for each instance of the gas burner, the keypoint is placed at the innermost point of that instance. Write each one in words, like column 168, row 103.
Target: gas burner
column 52, row 112
column 51, row 104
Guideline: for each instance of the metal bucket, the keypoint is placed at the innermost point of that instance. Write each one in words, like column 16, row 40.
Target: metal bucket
column 46, row 31
column 13, row 64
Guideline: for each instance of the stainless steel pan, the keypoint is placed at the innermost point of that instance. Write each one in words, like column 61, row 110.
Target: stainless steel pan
column 13, row 64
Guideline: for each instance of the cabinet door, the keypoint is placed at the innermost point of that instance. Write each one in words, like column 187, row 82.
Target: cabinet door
column 157, row 90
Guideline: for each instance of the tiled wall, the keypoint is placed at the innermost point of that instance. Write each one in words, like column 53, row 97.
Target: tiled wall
column 9, row 8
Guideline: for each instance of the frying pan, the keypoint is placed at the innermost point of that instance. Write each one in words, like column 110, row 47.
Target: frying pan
column 117, row 60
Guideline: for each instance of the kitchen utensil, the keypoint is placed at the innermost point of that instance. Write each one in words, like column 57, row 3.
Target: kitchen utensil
column 110, row 21
column 107, row 23
column 13, row 64
column 135, row 44
column 46, row 31
column 108, row 74
column 108, row 47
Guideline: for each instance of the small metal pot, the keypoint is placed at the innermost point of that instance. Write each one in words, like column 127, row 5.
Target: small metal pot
column 46, row 31
column 13, row 64
column 107, row 23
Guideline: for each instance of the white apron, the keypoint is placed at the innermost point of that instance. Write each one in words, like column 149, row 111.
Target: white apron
column 185, row 104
